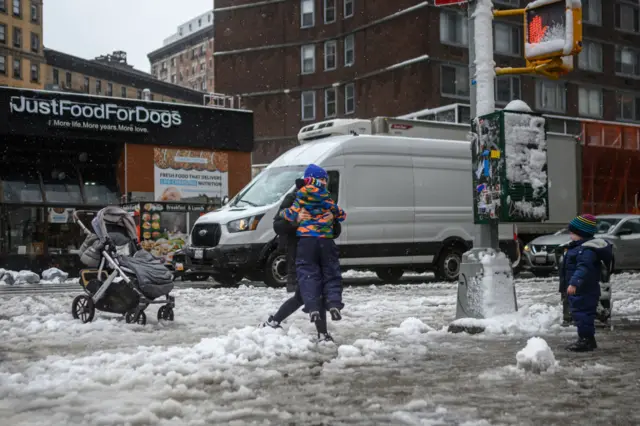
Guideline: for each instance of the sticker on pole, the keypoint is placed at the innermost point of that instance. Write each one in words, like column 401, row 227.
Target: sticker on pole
column 449, row 2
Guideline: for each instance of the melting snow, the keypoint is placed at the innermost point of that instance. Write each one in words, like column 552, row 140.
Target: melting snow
column 536, row 357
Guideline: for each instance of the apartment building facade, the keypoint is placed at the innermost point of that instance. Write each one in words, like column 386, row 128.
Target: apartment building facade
column 322, row 59
column 21, row 48
column 110, row 75
column 186, row 57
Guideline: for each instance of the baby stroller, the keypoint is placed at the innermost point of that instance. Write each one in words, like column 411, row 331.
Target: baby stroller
column 123, row 278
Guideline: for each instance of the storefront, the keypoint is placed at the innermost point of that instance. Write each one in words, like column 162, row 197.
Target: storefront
column 63, row 152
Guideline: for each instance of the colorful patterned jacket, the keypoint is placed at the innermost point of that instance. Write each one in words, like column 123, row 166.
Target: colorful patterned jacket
column 314, row 198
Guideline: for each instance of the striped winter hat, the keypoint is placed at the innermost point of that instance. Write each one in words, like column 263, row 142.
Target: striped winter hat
column 583, row 225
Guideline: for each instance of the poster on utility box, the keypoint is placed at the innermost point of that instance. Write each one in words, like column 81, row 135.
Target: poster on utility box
column 189, row 175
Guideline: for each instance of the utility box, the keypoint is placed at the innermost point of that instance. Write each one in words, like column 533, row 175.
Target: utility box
column 509, row 157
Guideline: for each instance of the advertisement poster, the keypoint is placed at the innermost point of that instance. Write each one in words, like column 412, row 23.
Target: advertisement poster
column 182, row 175
column 162, row 232
column 60, row 215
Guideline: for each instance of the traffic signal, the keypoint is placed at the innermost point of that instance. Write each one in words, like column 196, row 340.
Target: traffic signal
column 552, row 29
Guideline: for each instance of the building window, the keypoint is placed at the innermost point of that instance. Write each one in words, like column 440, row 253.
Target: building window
column 199, row 22
column 17, row 37
column 507, row 39
column 507, row 88
column 330, row 102
column 190, row 27
column 453, row 28
column 349, row 98
column 307, row 13
column 454, row 81
column 173, row 78
column 590, row 58
column 330, row 52
column 329, row 11
column 551, row 96
column 590, row 102
column 17, row 7
column 308, row 101
column 123, row 92
column 56, row 76
column 98, row 87
column 628, row 106
column 3, row 5
column 202, row 65
column 139, row 94
column 35, row 42
column 35, row 73
column 592, row 12
column 109, row 89
column 209, row 18
column 202, row 49
column 34, row 12
column 348, row 8
column 627, row 61
column 173, row 62
column 87, row 87
column 308, row 54
column 3, row 65
column 627, row 16
column 3, row 33
column 67, row 79
column 17, row 68
column 349, row 50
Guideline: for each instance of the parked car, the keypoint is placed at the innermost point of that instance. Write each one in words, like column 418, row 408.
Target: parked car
column 621, row 230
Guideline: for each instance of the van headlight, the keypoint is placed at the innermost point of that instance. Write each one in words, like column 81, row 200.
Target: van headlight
column 244, row 224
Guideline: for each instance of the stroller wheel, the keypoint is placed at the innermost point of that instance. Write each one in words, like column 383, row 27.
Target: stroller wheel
column 140, row 318
column 83, row 308
column 165, row 313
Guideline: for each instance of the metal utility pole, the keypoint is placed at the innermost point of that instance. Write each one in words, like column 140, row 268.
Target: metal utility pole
column 481, row 42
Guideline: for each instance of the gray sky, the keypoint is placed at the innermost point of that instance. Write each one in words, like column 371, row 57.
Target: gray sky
column 89, row 28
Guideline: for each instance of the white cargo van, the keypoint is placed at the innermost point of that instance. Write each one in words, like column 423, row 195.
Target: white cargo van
column 408, row 203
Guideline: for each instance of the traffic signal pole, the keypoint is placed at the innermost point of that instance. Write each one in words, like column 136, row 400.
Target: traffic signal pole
column 482, row 79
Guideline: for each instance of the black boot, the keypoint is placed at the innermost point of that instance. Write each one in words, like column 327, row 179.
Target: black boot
column 271, row 323
column 335, row 314
column 567, row 323
column 584, row 344
column 324, row 338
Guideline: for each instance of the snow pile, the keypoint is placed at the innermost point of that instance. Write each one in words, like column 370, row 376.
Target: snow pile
column 491, row 292
column 22, row 277
column 536, row 357
column 410, row 327
column 54, row 275
column 538, row 318
column 362, row 352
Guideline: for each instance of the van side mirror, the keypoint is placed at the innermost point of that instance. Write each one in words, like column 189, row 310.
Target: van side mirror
column 225, row 200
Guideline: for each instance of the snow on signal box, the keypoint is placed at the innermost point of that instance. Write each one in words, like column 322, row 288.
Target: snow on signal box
column 553, row 29
column 449, row 2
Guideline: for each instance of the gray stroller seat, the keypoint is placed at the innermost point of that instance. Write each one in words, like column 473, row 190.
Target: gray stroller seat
column 154, row 279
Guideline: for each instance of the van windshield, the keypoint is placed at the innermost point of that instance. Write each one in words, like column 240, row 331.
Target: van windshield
column 270, row 186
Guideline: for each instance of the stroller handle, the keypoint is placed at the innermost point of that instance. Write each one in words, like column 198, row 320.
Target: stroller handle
column 77, row 220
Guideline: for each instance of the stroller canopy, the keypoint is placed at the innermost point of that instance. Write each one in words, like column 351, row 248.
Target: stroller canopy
column 113, row 216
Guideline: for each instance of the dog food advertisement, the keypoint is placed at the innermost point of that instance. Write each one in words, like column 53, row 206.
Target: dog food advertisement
column 183, row 175
column 163, row 232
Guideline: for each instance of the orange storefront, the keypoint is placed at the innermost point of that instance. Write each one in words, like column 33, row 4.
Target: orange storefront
column 63, row 152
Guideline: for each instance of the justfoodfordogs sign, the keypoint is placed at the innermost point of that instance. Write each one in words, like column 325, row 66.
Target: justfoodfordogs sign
column 62, row 115
column 64, row 112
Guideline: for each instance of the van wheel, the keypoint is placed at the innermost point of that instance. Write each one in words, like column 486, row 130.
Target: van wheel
column 449, row 262
column 275, row 270
column 390, row 275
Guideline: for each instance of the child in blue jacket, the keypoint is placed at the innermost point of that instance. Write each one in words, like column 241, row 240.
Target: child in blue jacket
column 317, row 265
column 580, row 278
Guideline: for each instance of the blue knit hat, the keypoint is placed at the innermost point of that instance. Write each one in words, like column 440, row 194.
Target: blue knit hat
column 315, row 172
column 583, row 225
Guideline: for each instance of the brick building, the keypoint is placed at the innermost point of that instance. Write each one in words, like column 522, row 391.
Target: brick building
column 21, row 52
column 110, row 75
column 186, row 57
column 294, row 62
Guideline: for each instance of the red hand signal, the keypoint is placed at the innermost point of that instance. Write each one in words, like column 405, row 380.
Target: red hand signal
column 536, row 30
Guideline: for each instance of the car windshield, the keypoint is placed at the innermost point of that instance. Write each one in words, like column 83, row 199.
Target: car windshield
column 269, row 186
column 604, row 225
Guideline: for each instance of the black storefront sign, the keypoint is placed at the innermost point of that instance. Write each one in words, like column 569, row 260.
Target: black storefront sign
column 26, row 112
